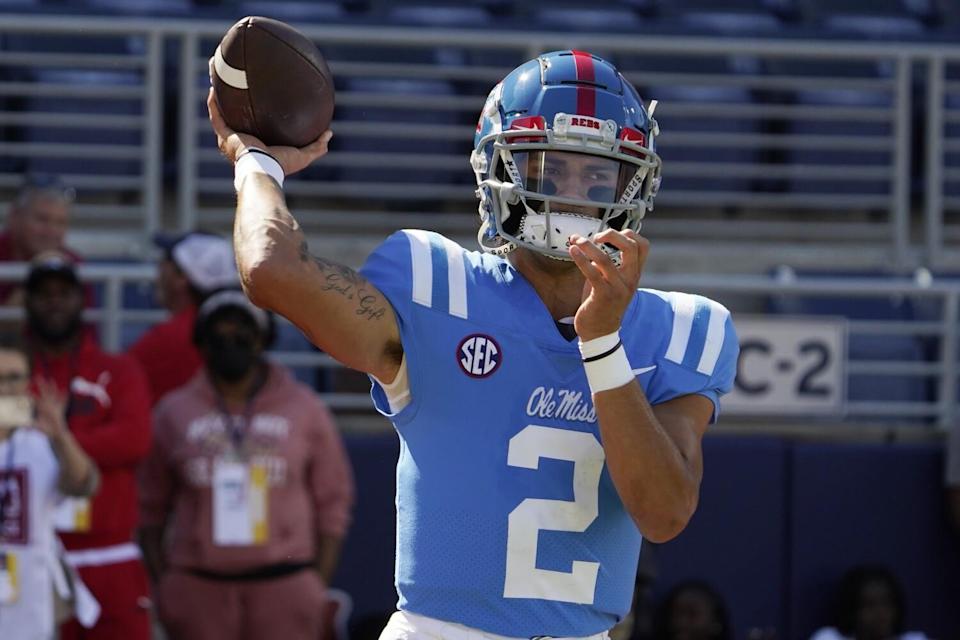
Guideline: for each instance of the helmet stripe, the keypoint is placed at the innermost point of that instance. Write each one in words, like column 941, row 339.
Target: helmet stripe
column 586, row 93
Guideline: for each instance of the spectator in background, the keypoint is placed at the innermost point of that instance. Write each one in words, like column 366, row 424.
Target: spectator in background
column 692, row 610
column 41, row 462
column 194, row 265
column 869, row 605
column 37, row 221
column 249, row 481
column 108, row 412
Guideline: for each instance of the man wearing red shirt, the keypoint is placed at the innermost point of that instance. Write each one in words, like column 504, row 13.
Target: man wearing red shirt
column 108, row 412
column 194, row 266
column 36, row 222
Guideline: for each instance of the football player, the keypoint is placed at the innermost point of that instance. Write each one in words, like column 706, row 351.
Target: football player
column 550, row 413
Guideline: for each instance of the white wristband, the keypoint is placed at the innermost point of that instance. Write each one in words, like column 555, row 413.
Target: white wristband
column 256, row 160
column 605, row 363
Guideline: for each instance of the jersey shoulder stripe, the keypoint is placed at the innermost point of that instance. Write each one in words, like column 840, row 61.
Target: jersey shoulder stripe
column 698, row 330
column 438, row 272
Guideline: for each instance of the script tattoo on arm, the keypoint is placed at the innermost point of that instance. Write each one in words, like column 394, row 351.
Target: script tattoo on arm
column 348, row 283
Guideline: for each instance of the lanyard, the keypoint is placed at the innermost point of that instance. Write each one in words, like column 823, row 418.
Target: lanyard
column 236, row 425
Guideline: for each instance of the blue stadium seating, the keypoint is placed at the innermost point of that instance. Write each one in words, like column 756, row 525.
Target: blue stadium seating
column 596, row 18
column 293, row 12
column 398, row 141
column 124, row 139
column 732, row 23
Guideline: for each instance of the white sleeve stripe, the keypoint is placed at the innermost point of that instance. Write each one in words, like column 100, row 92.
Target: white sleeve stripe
column 456, row 279
column 684, row 307
column 716, row 332
column 422, row 267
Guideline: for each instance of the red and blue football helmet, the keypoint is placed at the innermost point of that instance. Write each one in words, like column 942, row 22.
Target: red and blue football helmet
column 564, row 146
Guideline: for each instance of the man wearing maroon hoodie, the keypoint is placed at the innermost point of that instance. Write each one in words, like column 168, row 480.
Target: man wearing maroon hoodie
column 108, row 412
column 247, row 493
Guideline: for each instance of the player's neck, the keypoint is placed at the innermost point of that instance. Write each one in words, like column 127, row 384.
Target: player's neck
column 558, row 283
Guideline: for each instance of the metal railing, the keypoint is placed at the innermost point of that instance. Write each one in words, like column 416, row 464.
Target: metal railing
column 929, row 367
column 805, row 147
column 942, row 197
column 816, row 138
column 85, row 102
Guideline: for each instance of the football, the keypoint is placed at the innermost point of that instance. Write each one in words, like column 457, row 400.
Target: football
column 271, row 81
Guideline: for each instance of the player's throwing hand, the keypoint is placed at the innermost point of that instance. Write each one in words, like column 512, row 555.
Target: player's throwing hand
column 232, row 143
column 608, row 289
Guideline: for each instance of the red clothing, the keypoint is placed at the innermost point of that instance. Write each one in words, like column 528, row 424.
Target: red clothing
column 123, row 593
column 290, row 432
column 291, row 607
column 108, row 413
column 9, row 254
column 167, row 354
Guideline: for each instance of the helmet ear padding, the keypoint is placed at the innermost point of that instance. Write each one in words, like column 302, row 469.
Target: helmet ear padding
column 514, row 206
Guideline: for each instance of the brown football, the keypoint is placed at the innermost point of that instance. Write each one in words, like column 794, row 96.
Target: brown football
column 271, row 81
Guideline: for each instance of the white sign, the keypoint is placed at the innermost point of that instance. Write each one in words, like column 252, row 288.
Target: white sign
column 789, row 366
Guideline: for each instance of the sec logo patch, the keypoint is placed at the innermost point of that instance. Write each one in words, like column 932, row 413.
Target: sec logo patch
column 479, row 355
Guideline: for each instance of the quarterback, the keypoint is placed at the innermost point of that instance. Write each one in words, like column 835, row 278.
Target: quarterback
column 550, row 412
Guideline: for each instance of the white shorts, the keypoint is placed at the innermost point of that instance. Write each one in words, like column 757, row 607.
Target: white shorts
column 404, row 625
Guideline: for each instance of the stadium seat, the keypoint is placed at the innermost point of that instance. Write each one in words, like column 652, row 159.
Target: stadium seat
column 18, row 5
column 169, row 8
column 951, row 159
column 677, row 153
column 596, row 18
column 820, row 99
column 126, row 141
column 438, row 16
column 442, row 17
column 372, row 161
column 293, row 11
column 875, row 27
column 731, row 23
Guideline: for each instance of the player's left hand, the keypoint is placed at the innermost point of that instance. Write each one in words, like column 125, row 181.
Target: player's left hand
column 608, row 289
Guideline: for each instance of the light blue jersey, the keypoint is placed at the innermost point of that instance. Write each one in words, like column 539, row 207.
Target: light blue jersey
column 507, row 519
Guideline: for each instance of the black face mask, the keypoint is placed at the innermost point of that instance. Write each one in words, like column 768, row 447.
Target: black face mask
column 231, row 359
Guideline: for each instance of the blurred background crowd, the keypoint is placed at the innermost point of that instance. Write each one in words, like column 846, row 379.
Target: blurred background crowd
column 811, row 184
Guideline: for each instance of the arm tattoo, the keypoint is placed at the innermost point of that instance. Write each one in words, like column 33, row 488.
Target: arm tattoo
column 348, row 283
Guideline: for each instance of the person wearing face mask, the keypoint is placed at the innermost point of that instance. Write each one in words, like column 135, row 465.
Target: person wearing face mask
column 40, row 462
column 248, row 484
column 107, row 409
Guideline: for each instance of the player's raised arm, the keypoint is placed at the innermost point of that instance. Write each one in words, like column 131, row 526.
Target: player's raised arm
column 337, row 308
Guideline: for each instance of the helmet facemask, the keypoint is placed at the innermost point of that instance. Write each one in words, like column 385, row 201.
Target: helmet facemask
column 542, row 186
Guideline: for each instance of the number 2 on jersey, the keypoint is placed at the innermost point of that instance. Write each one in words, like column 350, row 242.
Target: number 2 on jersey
column 523, row 578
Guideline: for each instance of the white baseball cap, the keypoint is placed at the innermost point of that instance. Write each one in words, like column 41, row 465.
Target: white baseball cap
column 206, row 260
